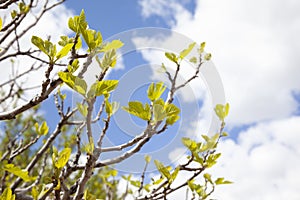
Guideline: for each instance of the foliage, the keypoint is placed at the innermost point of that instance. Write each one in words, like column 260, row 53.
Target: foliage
column 42, row 161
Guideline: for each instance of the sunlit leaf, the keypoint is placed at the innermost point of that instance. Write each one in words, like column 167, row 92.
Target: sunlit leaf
column 147, row 158
column 138, row 109
column 63, row 158
column 155, row 90
column 162, row 169
column 22, row 173
column 115, row 44
column 222, row 111
column 220, row 181
column 102, row 87
column 77, row 84
column 185, row 52
column 1, row 24
column 7, row 194
column 64, row 51
column 172, row 57
column 82, row 109
column 34, row 193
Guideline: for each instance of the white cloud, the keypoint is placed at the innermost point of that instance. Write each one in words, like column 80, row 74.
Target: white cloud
column 263, row 163
column 255, row 47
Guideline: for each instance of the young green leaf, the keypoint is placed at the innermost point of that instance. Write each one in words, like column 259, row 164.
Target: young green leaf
column 172, row 57
column 82, row 109
column 162, row 169
column 63, row 158
column 109, row 59
column 34, row 193
column 207, row 56
column 222, row 111
column 220, row 181
column 22, row 173
column 159, row 113
column 92, row 38
column 147, row 158
column 111, row 108
column 115, row 44
column 43, row 129
column 172, row 119
column 39, row 43
column 174, row 174
column 88, row 196
column 13, row 14
column 7, row 194
column 190, row 144
column 77, row 84
column 1, row 23
column 102, row 87
column 64, row 51
column 208, row 177
column 155, row 90
column 138, row 109
column 202, row 46
column 193, row 60
column 185, row 52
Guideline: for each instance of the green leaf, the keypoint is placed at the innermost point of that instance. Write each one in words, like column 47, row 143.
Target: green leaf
column 147, row 158
column 88, row 196
column 54, row 154
column 64, row 51
column 190, row 144
column 34, row 193
column 39, row 43
column 22, row 173
column 77, row 84
column 207, row 56
column 220, row 181
column 74, row 66
column 172, row 119
column 155, row 90
column 7, row 194
column 185, row 52
column 172, row 57
column 135, row 183
column 115, row 44
column 138, row 109
column 158, row 113
column 89, row 148
column 109, row 59
column 102, row 87
column 171, row 109
column 111, row 108
column 224, row 134
column 78, row 23
column 210, row 142
column 174, row 174
column 222, row 111
column 83, row 109
column 92, row 38
column 202, row 46
column 13, row 14
column 162, row 169
column 212, row 160
column 193, row 60
column 208, row 177
column 63, row 158
column 44, row 129
column 1, row 24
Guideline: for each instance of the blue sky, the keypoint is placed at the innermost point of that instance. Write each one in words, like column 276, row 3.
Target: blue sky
column 255, row 49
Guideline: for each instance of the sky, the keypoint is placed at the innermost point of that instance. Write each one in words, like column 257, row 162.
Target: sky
column 254, row 46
